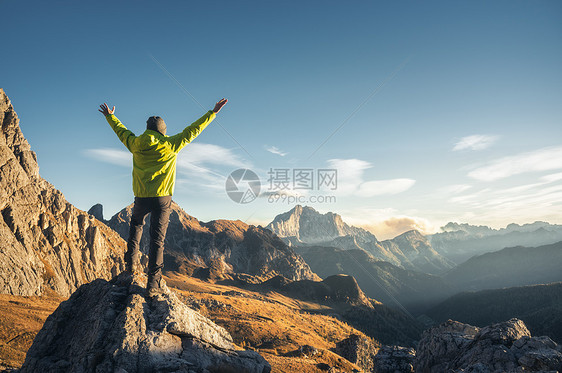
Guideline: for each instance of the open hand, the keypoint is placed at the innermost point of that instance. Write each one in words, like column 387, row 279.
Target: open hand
column 105, row 109
column 219, row 105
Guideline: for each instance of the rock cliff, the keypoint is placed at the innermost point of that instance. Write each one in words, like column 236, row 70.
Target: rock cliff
column 45, row 242
column 111, row 327
column 503, row 347
column 214, row 249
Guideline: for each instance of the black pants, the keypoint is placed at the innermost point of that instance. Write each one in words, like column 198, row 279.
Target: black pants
column 159, row 209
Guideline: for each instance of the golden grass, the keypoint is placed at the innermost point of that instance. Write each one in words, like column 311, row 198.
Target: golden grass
column 20, row 320
column 270, row 323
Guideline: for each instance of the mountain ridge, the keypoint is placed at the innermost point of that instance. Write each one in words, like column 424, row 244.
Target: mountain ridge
column 303, row 226
column 47, row 243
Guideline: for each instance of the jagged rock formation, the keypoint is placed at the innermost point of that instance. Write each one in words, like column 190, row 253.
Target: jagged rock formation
column 305, row 226
column 215, row 249
column 111, row 327
column 97, row 211
column 502, row 347
column 459, row 242
column 45, row 242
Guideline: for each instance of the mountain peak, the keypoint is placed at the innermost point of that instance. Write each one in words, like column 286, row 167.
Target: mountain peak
column 306, row 225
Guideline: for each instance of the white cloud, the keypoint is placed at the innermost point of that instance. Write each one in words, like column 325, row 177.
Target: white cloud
column 113, row 156
column 538, row 160
column 275, row 150
column 351, row 180
column 380, row 187
column 475, row 142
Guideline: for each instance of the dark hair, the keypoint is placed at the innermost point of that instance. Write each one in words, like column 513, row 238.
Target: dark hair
column 156, row 124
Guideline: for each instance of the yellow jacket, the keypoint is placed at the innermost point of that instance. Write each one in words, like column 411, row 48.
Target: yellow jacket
column 155, row 155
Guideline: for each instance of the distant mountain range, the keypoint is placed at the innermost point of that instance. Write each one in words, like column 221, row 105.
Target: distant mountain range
column 459, row 242
column 512, row 266
column 302, row 226
column 539, row 306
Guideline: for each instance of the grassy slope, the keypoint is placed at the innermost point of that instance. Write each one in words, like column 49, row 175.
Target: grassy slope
column 271, row 323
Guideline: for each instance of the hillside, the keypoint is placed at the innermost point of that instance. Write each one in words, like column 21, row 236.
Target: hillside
column 341, row 297
column 394, row 286
column 539, row 306
column 512, row 266
column 275, row 325
column 46, row 242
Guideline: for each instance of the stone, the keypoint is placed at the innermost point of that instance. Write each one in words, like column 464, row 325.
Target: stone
column 391, row 359
column 502, row 347
column 97, row 211
column 109, row 326
column 358, row 350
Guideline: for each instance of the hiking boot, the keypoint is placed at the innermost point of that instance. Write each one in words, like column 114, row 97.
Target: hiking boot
column 154, row 288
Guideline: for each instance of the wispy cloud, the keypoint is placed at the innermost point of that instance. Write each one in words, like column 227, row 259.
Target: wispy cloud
column 475, row 142
column 454, row 189
column 113, row 156
column 541, row 200
column 539, row 160
column 275, row 150
column 351, row 180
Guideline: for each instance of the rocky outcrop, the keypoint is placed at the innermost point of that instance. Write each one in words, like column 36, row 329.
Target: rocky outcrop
column 359, row 350
column 111, row 327
column 392, row 359
column 215, row 249
column 303, row 226
column 370, row 357
column 45, row 242
column 502, row 347
column 97, row 211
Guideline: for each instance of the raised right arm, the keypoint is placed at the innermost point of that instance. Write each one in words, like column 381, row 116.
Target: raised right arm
column 125, row 135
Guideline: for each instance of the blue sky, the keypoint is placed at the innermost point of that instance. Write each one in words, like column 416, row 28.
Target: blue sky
column 456, row 105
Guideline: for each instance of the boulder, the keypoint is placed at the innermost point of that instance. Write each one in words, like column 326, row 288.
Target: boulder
column 109, row 326
column 502, row 347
